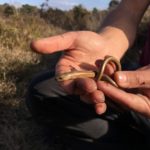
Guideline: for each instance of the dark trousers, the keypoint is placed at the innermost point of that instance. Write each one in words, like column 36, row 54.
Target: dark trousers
column 56, row 110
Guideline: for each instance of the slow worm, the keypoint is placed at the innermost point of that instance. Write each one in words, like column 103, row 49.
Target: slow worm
column 91, row 74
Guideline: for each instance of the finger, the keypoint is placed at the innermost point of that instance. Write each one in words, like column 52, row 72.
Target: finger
column 93, row 98
column 144, row 68
column 100, row 105
column 85, row 85
column 80, row 86
column 97, row 97
column 55, row 43
column 100, row 108
column 133, row 79
column 110, row 68
column 138, row 103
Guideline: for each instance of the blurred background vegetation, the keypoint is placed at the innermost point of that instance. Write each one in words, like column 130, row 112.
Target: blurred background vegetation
column 18, row 64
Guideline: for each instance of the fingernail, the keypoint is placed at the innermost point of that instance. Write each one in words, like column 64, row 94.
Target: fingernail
column 100, row 108
column 99, row 111
column 122, row 77
column 102, row 98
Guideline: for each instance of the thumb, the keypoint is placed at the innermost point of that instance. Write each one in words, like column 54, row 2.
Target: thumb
column 55, row 43
column 133, row 79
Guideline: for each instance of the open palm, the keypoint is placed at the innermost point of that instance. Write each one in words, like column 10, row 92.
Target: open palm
column 81, row 51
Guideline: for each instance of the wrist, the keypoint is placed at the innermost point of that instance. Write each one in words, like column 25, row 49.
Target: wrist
column 115, row 40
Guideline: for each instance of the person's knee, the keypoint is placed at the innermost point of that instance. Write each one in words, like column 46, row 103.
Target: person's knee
column 35, row 95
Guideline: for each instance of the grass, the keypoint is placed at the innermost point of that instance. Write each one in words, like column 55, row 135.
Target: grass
column 17, row 66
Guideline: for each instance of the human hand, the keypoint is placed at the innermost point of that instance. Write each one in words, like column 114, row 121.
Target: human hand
column 81, row 51
column 138, row 80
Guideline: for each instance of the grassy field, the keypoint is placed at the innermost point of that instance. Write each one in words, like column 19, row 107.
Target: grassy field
column 18, row 64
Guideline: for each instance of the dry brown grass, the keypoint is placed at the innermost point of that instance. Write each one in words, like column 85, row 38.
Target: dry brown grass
column 17, row 66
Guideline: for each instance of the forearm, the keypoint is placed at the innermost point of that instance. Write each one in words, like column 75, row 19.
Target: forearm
column 120, row 26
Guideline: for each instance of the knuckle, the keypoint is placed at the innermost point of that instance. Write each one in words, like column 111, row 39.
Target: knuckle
column 139, row 79
column 135, row 80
